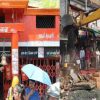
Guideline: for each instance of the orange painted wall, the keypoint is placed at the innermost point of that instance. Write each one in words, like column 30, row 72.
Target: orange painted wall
column 31, row 33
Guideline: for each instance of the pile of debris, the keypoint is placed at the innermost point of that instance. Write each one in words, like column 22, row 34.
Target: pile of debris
column 75, row 86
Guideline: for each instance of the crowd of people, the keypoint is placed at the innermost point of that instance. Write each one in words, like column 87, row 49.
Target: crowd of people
column 87, row 57
column 19, row 91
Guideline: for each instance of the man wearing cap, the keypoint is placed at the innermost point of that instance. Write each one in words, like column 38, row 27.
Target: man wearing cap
column 30, row 92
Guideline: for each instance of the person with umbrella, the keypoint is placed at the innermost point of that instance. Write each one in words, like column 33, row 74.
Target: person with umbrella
column 34, row 73
column 30, row 92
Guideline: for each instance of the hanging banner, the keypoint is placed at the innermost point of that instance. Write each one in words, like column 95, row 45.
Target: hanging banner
column 44, row 3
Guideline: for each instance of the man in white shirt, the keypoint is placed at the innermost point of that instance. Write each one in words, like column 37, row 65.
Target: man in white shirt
column 97, row 59
column 82, row 58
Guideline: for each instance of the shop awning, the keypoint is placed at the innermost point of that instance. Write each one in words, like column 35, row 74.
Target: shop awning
column 13, row 4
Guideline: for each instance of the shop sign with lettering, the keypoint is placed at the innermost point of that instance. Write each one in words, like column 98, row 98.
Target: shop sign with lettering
column 28, row 52
column 3, row 29
column 7, row 30
column 51, row 52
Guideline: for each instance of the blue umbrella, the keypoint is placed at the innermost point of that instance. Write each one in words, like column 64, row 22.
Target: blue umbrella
column 35, row 73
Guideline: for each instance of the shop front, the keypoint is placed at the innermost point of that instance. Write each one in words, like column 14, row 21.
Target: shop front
column 47, row 60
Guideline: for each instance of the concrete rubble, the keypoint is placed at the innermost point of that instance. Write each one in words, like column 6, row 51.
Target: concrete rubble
column 75, row 86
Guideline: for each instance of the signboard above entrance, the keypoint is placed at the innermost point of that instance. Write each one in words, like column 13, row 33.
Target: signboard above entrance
column 51, row 52
column 28, row 52
column 44, row 4
column 39, row 52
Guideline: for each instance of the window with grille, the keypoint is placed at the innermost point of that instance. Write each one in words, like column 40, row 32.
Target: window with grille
column 45, row 21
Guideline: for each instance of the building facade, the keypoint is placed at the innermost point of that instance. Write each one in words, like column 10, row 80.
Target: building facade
column 28, row 35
